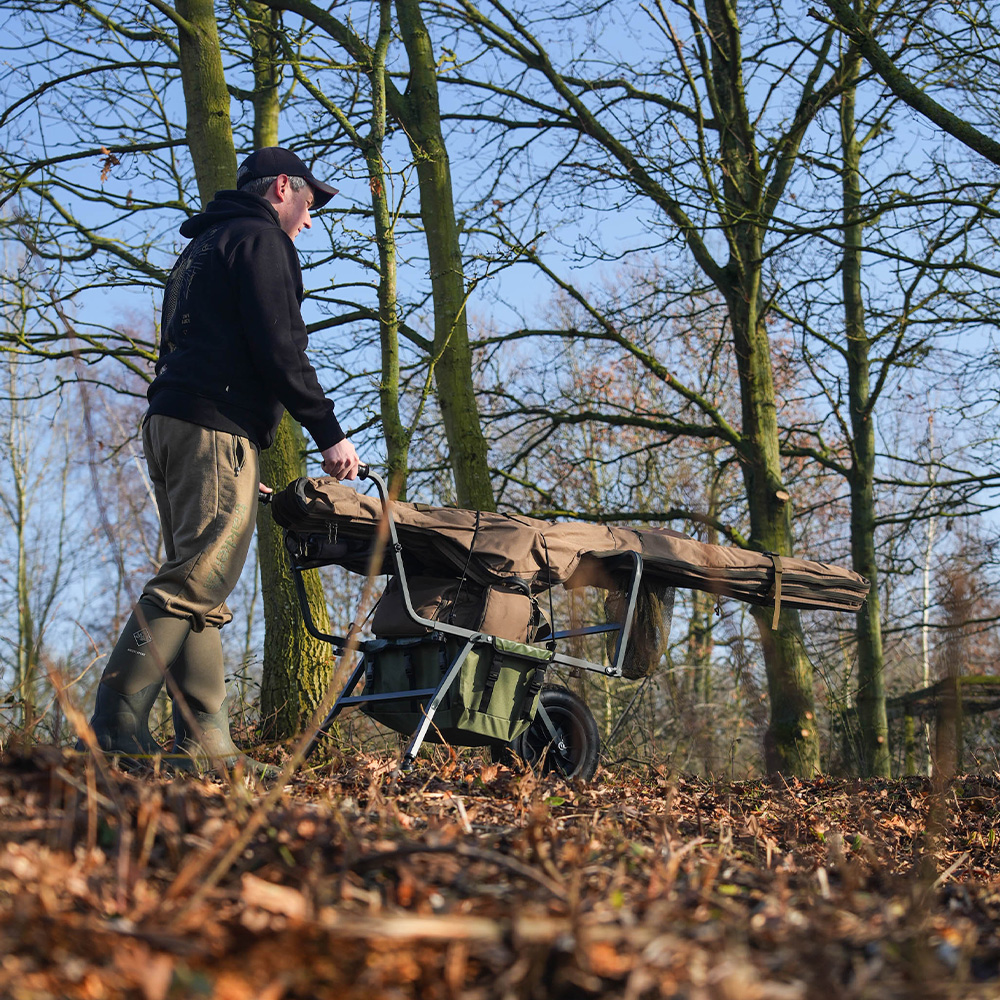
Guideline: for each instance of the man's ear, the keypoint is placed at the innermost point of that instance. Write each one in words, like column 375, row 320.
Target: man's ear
column 281, row 187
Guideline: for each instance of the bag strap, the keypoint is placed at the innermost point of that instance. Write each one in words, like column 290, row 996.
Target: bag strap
column 776, row 587
column 534, row 686
column 465, row 571
column 552, row 610
column 491, row 679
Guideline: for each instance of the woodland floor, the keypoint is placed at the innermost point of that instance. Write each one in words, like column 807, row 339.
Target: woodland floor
column 467, row 880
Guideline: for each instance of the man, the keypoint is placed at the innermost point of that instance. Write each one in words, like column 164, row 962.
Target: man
column 232, row 359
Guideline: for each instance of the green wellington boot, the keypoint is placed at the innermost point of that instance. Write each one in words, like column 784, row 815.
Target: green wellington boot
column 207, row 746
column 202, row 741
column 132, row 679
column 121, row 722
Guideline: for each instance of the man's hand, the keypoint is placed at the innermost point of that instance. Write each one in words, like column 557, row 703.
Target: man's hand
column 341, row 461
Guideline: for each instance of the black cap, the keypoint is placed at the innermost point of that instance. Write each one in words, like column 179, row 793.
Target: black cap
column 274, row 160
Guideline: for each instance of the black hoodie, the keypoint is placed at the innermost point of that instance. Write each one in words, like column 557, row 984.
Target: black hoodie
column 232, row 346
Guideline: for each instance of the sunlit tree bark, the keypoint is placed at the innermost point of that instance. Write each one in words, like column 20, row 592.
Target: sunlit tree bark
column 297, row 667
column 206, row 97
column 419, row 111
column 871, row 664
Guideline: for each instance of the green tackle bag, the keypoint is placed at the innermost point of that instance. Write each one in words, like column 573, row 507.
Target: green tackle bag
column 493, row 698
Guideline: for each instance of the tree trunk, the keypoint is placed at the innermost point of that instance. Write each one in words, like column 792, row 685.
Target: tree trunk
column 452, row 356
column 418, row 112
column 262, row 25
column 792, row 742
column 27, row 639
column 206, row 98
column 297, row 667
column 397, row 436
column 875, row 758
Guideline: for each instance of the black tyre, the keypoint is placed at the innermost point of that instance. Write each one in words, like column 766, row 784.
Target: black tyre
column 574, row 751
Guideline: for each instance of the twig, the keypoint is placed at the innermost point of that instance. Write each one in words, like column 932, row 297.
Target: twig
column 950, row 870
column 102, row 800
column 378, row 860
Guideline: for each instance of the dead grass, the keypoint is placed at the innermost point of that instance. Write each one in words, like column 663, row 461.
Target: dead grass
column 467, row 880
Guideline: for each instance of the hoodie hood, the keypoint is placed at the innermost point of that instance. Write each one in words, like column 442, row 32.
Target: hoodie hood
column 227, row 205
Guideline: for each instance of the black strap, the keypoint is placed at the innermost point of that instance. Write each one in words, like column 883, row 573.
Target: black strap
column 465, row 571
column 552, row 610
column 534, row 686
column 491, row 679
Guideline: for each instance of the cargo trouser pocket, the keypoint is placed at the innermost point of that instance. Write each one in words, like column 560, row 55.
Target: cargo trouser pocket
column 239, row 455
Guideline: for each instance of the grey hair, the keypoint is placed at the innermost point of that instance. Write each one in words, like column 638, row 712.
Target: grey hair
column 261, row 185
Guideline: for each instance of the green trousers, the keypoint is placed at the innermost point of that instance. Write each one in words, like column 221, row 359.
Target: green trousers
column 205, row 483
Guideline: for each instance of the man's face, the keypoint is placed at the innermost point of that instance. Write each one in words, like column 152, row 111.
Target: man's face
column 293, row 208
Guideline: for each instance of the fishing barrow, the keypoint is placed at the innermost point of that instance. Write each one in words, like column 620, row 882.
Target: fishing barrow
column 464, row 636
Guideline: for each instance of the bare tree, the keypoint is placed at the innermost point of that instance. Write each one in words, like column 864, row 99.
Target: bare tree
column 38, row 551
column 713, row 188
column 963, row 40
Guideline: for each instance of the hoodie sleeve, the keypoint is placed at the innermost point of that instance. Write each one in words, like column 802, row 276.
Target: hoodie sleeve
column 269, row 291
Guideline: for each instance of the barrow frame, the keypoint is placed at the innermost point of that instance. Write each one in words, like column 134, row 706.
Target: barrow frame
column 470, row 638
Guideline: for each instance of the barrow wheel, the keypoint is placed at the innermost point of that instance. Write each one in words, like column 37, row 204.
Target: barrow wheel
column 573, row 749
